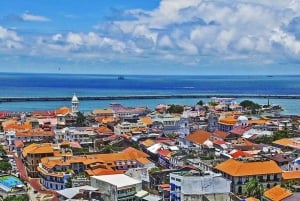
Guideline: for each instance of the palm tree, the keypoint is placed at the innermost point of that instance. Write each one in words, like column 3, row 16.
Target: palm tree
column 254, row 188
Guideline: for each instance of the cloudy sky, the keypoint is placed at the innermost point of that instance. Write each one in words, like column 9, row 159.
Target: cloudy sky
column 150, row 36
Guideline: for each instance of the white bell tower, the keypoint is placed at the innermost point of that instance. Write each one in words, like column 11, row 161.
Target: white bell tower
column 75, row 104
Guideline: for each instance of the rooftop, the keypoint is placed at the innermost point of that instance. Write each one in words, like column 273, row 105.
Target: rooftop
column 247, row 166
column 119, row 180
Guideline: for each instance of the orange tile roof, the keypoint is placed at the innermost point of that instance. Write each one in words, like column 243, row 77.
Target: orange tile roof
column 198, row 136
column 18, row 127
column 148, row 143
column 252, row 199
column 143, row 161
column 37, row 149
column 291, row 175
column 146, row 120
column 258, row 121
column 220, row 134
column 277, row 193
column 34, row 132
column 103, row 129
column 63, row 110
column 228, row 121
column 101, row 171
column 289, row 142
column 235, row 167
column 135, row 152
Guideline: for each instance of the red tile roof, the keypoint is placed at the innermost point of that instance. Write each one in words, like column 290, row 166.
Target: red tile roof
column 240, row 130
column 164, row 152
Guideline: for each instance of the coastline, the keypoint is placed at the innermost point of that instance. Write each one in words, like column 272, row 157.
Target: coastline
column 131, row 97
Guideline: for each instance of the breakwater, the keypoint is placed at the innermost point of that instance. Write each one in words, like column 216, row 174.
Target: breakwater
column 128, row 97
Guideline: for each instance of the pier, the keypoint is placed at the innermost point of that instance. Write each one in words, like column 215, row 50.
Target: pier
column 132, row 97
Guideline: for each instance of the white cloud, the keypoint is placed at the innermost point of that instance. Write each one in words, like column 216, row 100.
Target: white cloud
column 7, row 34
column 37, row 18
column 230, row 30
column 9, row 40
column 57, row 37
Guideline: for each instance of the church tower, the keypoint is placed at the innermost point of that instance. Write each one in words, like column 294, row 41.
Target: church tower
column 75, row 104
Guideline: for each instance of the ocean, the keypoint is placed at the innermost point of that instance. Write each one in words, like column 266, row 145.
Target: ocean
column 53, row 85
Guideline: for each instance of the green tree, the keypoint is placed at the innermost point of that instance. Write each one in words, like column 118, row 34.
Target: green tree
column 200, row 102
column 213, row 103
column 250, row 105
column 80, row 120
column 69, row 183
column 17, row 198
column 175, row 109
column 254, row 188
column 107, row 149
column 5, row 166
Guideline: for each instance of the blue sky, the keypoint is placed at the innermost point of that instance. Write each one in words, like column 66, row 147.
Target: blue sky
column 150, row 36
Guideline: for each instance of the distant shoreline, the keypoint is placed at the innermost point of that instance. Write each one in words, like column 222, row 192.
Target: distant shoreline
column 132, row 97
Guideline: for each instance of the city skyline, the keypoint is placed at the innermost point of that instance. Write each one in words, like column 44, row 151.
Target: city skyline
column 169, row 37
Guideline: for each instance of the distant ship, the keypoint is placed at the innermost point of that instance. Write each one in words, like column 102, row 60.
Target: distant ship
column 121, row 77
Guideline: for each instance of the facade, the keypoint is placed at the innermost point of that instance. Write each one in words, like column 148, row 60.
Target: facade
column 193, row 185
column 226, row 124
column 167, row 123
column 127, row 127
column 55, row 171
column 27, row 136
column 240, row 171
column 117, row 187
column 32, row 155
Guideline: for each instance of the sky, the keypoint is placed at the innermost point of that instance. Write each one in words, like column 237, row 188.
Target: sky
column 193, row 37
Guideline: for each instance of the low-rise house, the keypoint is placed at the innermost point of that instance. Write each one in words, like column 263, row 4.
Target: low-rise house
column 167, row 123
column 199, row 139
column 127, row 127
column 195, row 185
column 240, row 171
column 116, row 187
column 226, row 124
column 292, row 144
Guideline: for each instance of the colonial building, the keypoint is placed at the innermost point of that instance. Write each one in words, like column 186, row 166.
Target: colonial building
column 240, row 171
column 54, row 171
column 33, row 153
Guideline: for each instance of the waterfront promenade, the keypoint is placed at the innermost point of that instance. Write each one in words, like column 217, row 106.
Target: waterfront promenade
column 132, row 97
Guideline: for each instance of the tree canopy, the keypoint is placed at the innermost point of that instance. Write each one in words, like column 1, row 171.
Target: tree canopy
column 250, row 105
column 175, row 109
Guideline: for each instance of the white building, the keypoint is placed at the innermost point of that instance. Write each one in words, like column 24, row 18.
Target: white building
column 194, row 185
column 117, row 187
column 127, row 127
column 75, row 104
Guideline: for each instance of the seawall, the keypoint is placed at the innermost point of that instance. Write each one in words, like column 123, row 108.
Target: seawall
column 128, row 97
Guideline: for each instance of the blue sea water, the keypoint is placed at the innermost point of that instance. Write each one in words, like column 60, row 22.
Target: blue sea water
column 52, row 85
